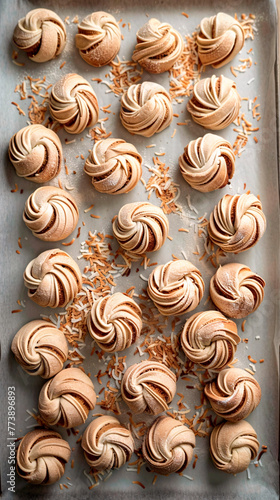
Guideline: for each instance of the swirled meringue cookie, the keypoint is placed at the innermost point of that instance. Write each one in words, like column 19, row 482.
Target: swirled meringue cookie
column 158, row 47
column 40, row 348
column 168, row 446
column 114, row 322
column 210, row 339
column 149, row 387
column 236, row 290
column 107, row 444
column 73, row 103
column 115, row 166
column 234, row 394
column 41, row 34
column 237, row 222
column 52, row 279
column 215, row 103
column 36, row 153
column 208, row 163
column 41, row 456
column 146, row 109
column 67, row 398
column 98, row 38
column 51, row 213
column 233, row 445
column 140, row 227
column 176, row 287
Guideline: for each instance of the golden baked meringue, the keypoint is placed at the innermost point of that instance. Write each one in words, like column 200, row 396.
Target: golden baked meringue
column 73, row 103
column 236, row 290
column 146, row 109
column 67, row 398
column 176, row 287
column 140, row 227
column 237, row 222
column 40, row 348
column 158, row 47
column 233, row 445
column 107, row 444
column 115, row 166
column 99, row 38
column 208, row 163
column 220, row 39
column 168, row 446
column 234, row 394
column 210, row 339
column 41, row 456
column 215, row 103
column 52, row 279
column 114, row 322
column 41, row 34
column 149, row 387
column 36, row 153
column 51, row 213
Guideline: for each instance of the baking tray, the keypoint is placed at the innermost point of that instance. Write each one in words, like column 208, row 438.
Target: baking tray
column 257, row 167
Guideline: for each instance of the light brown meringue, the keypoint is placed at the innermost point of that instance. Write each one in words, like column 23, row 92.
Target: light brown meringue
column 146, row 109
column 236, row 290
column 51, row 213
column 73, row 103
column 233, row 445
column 40, row 348
column 114, row 322
column 140, row 227
column 210, row 339
column 52, row 279
column 115, row 166
column 36, row 153
column 99, row 38
column 41, row 34
column 234, row 394
column 237, row 222
column 107, row 444
column 41, row 456
column 67, row 398
column 158, row 47
column 168, row 446
column 176, row 287
column 149, row 387
column 208, row 163
column 215, row 103
column 220, row 39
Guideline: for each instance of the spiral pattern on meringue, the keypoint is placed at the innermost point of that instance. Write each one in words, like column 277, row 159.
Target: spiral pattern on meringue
column 210, row 339
column 215, row 103
column 41, row 34
column 208, row 163
column 220, row 39
column 236, row 290
column 73, row 103
column 52, row 279
column 40, row 348
column 168, row 446
column 158, row 47
column 107, row 444
column 237, row 222
column 67, row 398
column 146, row 109
column 148, row 387
column 233, row 445
column 98, row 38
column 115, row 166
column 234, row 394
column 36, row 153
column 51, row 213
